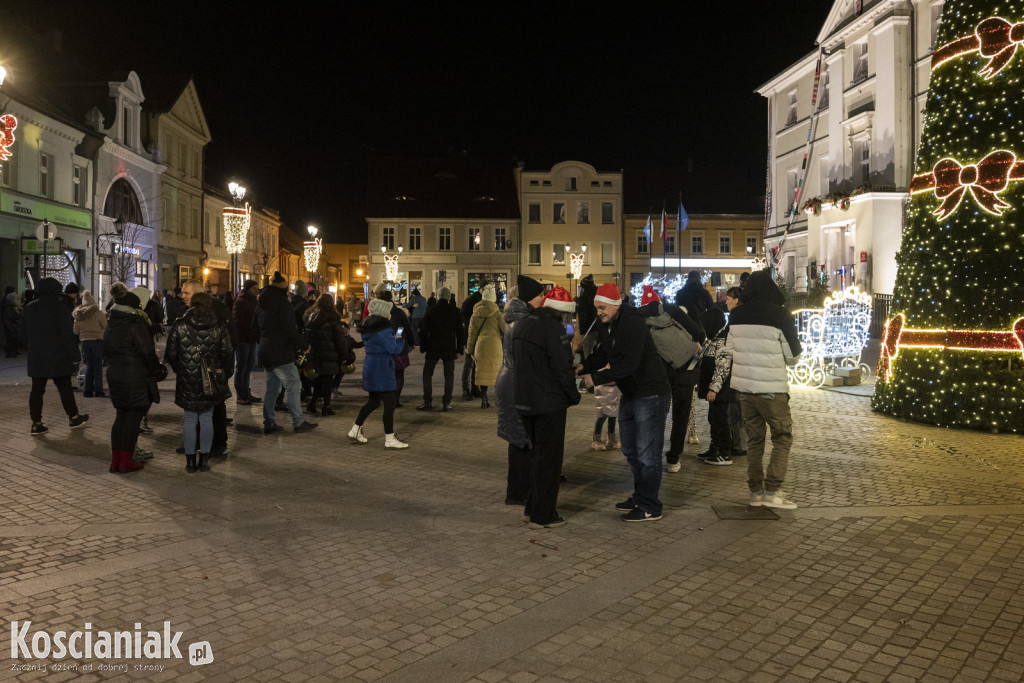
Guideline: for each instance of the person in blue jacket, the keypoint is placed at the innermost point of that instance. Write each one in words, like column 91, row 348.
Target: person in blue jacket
column 381, row 344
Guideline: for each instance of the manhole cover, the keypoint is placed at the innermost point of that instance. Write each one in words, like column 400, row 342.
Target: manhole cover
column 743, row 512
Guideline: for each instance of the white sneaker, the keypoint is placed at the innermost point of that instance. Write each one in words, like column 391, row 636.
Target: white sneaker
column 673, row 466
column 356, row 434
column 756, row 498
column 391, row 441
column 777, row 500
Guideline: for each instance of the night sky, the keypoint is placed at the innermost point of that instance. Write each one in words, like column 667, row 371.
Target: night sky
column 297, row 101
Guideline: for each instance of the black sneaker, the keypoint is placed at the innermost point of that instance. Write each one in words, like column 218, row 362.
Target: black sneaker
column 78, row 421
column 39, row 428
column 255, row 399
column 638, row 515
column 306, row 426
column 425, row 406
column 705, row 455
column 272, row 428
column 626, row 505
column 718, row 460
column 556, row 522
column 738, row 453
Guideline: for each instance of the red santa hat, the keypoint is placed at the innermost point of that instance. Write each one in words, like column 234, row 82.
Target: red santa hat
column 649, row 295
column 560, row 300
column 608, row 294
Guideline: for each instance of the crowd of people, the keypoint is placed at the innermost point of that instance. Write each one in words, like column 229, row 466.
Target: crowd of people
column 537, row 351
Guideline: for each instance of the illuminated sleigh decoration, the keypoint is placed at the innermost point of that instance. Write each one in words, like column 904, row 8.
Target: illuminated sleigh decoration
column 832, row 337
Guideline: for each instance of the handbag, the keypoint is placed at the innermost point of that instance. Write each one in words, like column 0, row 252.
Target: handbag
column 305, row 366
column 215, row 381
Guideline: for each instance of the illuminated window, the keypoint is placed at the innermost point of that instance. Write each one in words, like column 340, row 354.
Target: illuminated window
column 474, row 239
column 558, row 254
column 751, row 246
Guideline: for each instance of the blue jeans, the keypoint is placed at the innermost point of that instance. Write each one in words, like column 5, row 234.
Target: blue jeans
column 92, row 354
column 205, row 420
column 288, row 376
column 245, row 361
column 642, row 435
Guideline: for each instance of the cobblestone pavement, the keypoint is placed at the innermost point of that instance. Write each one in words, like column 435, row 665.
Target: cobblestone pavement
column 305, row 557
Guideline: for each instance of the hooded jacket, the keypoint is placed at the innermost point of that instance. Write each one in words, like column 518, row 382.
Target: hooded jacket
column 196, row 335
column 280, row 339
column 46, row 331
column 694, row 298
column 544, row 380
column 762, row 339
column 486, row 328
column 381, row 347
column 132, row 365
column 90, row 321
column 510, row 422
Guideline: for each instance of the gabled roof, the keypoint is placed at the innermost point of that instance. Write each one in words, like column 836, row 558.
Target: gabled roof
column 841, row 11
column 175, row 93
column 445, row 187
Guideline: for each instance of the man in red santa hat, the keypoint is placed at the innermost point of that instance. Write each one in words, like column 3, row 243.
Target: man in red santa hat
column 636, row 368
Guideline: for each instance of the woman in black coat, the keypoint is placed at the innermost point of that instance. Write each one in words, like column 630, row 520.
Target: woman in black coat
column 197, row 336
column 328, row 351
column 132, row 373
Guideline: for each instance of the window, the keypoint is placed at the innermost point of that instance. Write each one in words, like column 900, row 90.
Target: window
column 936, row 21
column 582, row 213
column 670, row 244
column 607, row 183
column 558, row 212
column 823, row 90
column 195, row 222
column 546, row 183
column 790, row 190
column 186, row 273
column 534, row 212
column 182, row 219
column 220, row 231
column 570, row 184
column 860, row 61
column 724, row 244
column 558, row 254
column 5, row 173
column 500, row 240
column 77, row 196
column 45, row 165
column 595, row 183
column 414, row 239
column 195, row 165
column 206, row 230
column 696, row 244
column 182, row 156
column 607, row 213
column 641, row 243
column 474, row 239
column 444, row 239
column 533, row 254
column 388, row 238
column 751, row 246
column 534, row 183
column 142, row 273
column 791, row 112
column 861, row 161
column 126, row 128
column 607, row 253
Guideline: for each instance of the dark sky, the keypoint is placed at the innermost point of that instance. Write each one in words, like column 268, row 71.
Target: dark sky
column 297, row 100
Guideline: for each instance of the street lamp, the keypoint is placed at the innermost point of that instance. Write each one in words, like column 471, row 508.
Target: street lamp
column 312, row 250
column 236, row 229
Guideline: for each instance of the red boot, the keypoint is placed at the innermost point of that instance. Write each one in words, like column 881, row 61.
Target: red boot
column 127, row 464
column 115, row 461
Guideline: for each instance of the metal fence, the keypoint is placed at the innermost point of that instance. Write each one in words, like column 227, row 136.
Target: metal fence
column 880, row 308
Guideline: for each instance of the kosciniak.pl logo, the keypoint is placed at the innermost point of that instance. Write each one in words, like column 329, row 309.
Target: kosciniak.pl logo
column 90, row 644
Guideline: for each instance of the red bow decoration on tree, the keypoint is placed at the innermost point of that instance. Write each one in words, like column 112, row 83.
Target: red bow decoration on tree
column 985, row 180
column 995, row 38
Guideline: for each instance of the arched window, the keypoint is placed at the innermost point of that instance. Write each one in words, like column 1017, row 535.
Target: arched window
column 122, row 203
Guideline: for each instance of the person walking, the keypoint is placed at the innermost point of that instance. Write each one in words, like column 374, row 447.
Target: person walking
column 441, row 339
column 626, row 346
column 46, row 331
column 248, row 324
column 762, row 342
column 545, row 387
column 328, row 350
column 280, row 344
column 199, row 350
column 486, row 329
column 417, row 306
column 89, row 324
column 400, row 324
column 529, row 295
column 133, row 371
column 382, row 345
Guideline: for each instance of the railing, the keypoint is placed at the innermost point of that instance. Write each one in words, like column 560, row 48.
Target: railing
column 880, row 308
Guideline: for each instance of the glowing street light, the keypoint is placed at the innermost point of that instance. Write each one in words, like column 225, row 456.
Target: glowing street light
column 236, row 228
column 312, row 250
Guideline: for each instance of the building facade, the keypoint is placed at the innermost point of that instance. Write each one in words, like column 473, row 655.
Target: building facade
column 865, row 131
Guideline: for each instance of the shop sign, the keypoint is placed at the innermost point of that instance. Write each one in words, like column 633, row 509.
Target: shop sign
column 122, row 249
column 30, row 245
column 32, row 208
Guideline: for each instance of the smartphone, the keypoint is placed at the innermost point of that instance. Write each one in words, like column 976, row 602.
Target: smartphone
column 399, row 331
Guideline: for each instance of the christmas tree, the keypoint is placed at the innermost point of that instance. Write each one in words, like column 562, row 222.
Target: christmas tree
column 953, row 349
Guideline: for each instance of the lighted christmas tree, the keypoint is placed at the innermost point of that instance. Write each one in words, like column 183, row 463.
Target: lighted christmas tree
column 953, row 350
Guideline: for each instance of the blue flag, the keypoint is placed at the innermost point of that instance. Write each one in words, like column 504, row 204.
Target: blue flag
column 681, row 218
column 647, row 229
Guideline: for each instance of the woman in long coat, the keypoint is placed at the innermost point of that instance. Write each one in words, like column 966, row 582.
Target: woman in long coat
column 328, row 350
column 486, row 329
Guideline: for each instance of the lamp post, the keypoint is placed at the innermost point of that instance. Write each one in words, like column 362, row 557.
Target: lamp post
column 236, row 229
column 311, row 251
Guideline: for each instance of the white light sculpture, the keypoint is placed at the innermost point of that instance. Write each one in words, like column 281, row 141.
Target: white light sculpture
column 236, row 228
column 391, row 267
column 312, row 250
column 832, row 337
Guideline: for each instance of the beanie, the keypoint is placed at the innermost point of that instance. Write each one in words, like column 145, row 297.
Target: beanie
column 608, row 294
column 558, row 298
column 444, row 294
column 279, row 280
column 247, row 284
column 528, row 287
column 649, row 295
column 143, row 295
column 380, row 307
column 488, row 293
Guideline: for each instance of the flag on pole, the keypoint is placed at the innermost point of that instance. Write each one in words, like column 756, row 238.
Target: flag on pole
column 681, row 218
column 647, row 229
column 664, row 223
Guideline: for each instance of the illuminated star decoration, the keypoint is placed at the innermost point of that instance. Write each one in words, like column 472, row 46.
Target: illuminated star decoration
column 994, row 38
column 985, row 180
column 897, row 336
column 7, row 125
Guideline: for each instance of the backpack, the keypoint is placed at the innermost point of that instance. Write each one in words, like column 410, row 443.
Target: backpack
column 674, row 344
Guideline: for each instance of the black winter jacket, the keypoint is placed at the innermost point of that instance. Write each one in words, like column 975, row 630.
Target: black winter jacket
column 627, row 346
column 441, row 332
column 328, row 345
column 542, row 353
column 280, row 339
column 132, row 366
column 694, row 298
column 248, row 324
column 47, row 332
column 196, row 335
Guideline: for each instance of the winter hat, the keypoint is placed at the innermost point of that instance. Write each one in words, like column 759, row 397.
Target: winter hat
column 279, row 281
column 71, row 288
column 118, row 290
column 300, row 287
column 528, row 287
column 247, row 284
column 444, row 294
column 143, row 295
column 488, row 293
column 649, row 295
column 380, row 289
column 380, row 307
column 693, row 276
column 560, row 300
column 608, row 294
column 129, row 299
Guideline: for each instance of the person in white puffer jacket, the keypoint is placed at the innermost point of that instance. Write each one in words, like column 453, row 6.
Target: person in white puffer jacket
column 762, row 342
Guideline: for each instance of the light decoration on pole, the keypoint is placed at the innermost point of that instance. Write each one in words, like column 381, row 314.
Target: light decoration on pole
column 312, row 250
column 390, row 264
column 832, row 337
column 7, row 125
column 236, row 228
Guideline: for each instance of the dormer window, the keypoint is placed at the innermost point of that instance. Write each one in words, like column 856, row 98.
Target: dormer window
column 126, row 127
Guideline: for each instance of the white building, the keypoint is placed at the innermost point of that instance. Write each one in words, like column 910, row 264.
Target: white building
column 867, row 123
